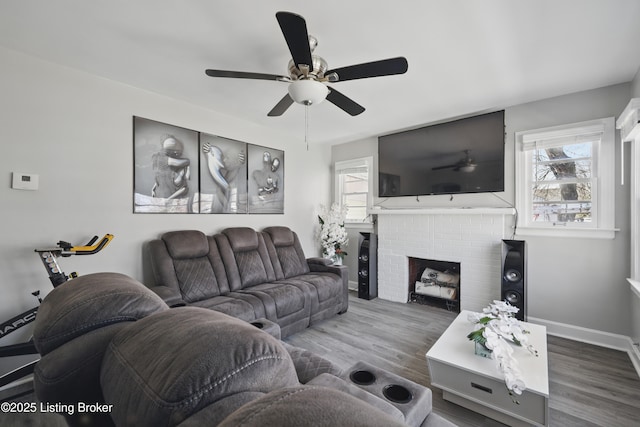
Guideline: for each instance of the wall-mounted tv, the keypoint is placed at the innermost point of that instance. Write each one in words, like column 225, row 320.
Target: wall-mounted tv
column 460, row 156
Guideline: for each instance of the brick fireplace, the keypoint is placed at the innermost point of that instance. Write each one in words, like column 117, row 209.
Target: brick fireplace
column 471, row 237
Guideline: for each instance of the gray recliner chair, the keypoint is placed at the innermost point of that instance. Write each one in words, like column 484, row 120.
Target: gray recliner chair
column 105, row 338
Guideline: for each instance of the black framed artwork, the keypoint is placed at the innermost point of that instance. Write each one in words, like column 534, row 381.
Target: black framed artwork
column 179, row 170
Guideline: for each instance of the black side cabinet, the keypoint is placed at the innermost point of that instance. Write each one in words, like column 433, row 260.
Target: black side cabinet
column 368, row 266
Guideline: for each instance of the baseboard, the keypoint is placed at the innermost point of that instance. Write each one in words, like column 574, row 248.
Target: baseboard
column 592, row 336
column 353, row 286
column 635, row 356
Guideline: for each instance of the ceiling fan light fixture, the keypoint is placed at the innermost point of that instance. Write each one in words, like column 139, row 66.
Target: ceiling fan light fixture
column 468, row 168
column 308, row 92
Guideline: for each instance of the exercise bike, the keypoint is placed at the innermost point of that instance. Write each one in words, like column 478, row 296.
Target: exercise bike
column 57, row 277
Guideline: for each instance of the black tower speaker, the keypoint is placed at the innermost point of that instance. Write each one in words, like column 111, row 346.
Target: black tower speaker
column 367, row 266
column 514, row 276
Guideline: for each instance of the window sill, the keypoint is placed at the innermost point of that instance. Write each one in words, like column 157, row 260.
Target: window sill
column 587, row 233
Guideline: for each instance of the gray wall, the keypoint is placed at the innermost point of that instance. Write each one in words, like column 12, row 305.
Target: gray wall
column 635, row 300
column 579, row 282
column 635, row 86
column 75, row 131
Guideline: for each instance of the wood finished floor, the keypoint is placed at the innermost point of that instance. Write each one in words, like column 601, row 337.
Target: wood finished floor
column 588, row 385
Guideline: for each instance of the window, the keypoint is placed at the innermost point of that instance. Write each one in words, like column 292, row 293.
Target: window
column 354, row 188
column 565, row 180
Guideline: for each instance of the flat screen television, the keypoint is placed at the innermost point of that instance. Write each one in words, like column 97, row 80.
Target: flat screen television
column 460, row 156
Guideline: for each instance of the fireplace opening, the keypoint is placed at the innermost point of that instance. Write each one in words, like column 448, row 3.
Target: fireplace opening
column 435, row 283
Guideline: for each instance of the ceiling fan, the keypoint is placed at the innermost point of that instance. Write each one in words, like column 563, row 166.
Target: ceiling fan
column 466, row 164
column 309, row 74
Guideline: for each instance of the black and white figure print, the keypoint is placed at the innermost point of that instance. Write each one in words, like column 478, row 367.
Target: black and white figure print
column 266, row 180
column 223, row 175
column 165, row 168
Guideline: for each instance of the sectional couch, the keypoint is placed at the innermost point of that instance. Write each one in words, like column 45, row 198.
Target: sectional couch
column 248, row 274
column 111, row 345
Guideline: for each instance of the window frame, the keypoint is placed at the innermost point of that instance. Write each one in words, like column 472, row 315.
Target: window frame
column 602, row 172
column 343, row 165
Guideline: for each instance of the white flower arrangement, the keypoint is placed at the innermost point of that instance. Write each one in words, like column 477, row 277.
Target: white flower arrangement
column 332, row 234
column 496, row 328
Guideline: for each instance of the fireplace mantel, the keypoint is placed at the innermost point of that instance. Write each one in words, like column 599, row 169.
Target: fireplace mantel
column 441, row 211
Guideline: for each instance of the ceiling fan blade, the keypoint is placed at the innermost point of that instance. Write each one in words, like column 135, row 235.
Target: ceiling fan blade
column 445, row 167
column 281, row 106
column 344, row 103
column 245, row 75
column 294, row 30
column 385, row 67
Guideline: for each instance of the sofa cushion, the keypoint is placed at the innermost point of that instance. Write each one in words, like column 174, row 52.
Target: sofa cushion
column 241, row 305
column 162, row 369
column 188, row 263
column 196, row 279
column 242, row 238
column 280, row 236
column 309, row 405
column 245, row 257
column 186, row 244
column 286, row 252
column 251, row 267
column 90, row 302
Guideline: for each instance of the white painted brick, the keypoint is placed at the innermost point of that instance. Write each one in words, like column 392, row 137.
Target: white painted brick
column 472, row 240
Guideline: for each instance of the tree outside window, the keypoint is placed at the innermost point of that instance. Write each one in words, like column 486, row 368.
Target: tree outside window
column 565, row 180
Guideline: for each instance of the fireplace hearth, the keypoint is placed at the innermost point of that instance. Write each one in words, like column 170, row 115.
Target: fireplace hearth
column 435, row 283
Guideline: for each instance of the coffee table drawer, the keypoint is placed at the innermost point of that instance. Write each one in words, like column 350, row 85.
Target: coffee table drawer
column 488, row 392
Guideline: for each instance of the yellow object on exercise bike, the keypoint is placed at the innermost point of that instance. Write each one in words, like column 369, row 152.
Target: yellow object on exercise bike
column 66, row 249
column 89, row 248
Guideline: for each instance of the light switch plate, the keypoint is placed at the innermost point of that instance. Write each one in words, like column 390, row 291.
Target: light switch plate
column 24, row 181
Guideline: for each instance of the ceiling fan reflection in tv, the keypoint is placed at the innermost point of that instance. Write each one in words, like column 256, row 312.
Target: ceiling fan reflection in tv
column 463, row 165
column 464, row 155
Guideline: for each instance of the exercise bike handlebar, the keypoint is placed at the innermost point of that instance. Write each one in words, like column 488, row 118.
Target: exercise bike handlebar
column 66, row 249
column 88, row 249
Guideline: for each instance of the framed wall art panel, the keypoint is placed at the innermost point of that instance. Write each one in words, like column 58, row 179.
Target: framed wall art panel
column 223, row 175
column 165, row 168
column 266, row 180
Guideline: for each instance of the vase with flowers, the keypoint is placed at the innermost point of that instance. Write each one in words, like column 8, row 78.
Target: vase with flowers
column 332, row 235
column 496, row 330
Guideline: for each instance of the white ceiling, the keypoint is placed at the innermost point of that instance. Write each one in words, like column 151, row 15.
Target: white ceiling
column 464, row 56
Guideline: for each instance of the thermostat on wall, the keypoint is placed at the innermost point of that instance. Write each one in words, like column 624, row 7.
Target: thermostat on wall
column 24, row 181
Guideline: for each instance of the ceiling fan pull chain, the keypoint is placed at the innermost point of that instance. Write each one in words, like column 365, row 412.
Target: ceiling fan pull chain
column 306, row 126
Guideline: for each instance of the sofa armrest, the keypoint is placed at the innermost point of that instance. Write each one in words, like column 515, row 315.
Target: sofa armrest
column 340, row 270
column 169, row 295
column 319, row 261
column 317, row 266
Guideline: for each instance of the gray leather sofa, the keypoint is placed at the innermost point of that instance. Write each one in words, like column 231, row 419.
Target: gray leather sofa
column 108, row 341
column 249, row 275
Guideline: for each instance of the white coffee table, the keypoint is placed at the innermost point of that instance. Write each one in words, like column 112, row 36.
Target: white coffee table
column 476, row 383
